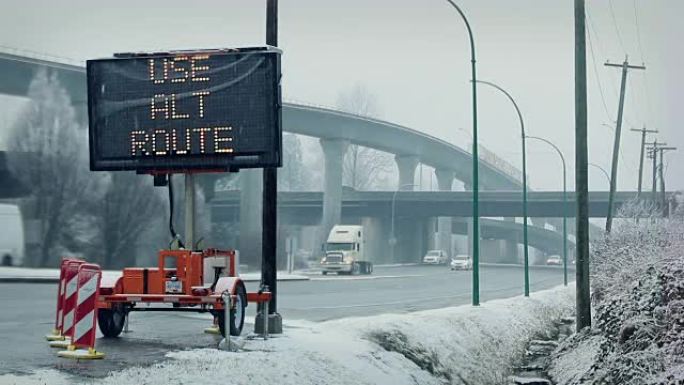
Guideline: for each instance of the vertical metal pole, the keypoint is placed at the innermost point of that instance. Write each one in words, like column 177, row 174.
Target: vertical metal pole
column 565, row 225
column 583, row 307
column 655, row 172
column 524, row 187
column 661, row 175
column 616, row 148
column 227, row 304
column 641, row 162
column 525, row 242
column 266, row 311
column 270, row 194
column 476, row 184
column 393, row 238
column 190, row 202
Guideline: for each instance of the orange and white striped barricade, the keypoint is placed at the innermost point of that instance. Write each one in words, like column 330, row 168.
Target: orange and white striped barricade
column 82, row 334
column 57, row 334
column 65, row 305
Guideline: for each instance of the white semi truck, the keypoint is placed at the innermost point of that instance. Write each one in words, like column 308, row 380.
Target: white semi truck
column 345, row 252
column 11, row 235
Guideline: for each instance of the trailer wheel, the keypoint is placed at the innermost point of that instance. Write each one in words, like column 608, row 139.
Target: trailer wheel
column 237, row 314
column 370, row 268
column 325, row 272
column 111, row 321
column 7, row 260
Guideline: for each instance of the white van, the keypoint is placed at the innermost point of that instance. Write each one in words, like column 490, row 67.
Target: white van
column 11, row 235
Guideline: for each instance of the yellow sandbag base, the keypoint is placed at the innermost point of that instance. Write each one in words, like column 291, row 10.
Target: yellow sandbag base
column 81, row 354
column 62, row 344
column 55, row 336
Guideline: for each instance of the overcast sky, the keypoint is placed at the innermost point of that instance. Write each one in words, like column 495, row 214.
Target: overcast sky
column 413, row 55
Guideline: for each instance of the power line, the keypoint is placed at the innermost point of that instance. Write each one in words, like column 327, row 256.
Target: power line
column 645, row 82
column 601, row 50
column 617, row 28
column 638, row 30
column 596, row 73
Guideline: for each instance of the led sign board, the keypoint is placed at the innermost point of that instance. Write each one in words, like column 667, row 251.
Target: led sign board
column 182, row 111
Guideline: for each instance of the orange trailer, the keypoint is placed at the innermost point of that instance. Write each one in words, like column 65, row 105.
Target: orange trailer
column 187, row 280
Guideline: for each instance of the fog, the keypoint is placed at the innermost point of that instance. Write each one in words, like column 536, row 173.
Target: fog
column 413, row 56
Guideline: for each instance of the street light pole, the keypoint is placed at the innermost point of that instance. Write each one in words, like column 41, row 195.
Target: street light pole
column 393, row 239
column 565, row 208
column 603, row 170
column 524, row 183
column 476, row 186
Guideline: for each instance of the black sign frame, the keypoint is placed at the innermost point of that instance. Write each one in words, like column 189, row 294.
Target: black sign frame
column 268, row 156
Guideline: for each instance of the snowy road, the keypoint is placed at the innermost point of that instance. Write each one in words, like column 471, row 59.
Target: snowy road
column 28, row 311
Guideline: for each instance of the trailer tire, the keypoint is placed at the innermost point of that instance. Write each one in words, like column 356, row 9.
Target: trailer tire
column 237, row 314
column 7, row 260
column 325, row 272
column 112, row 321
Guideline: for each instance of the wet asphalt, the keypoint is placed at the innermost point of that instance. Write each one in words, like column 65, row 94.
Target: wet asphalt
column 28, row 312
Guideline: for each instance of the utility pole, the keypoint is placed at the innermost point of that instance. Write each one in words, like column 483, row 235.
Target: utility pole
column 616, row 145
column 269, row 213
column 583, row 301
column 653, row 154
column 643, row 131
column 663, row 199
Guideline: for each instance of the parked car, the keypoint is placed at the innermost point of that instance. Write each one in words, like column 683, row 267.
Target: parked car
column 435, row 257
column 554, row 260
column 461, row 262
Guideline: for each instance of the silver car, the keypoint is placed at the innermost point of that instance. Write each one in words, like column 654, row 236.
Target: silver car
column 461, row 262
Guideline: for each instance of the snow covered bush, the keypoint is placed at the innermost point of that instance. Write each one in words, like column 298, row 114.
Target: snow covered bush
column 638, row 301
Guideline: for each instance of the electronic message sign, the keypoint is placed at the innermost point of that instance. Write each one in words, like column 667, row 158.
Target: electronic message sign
column 182, row 111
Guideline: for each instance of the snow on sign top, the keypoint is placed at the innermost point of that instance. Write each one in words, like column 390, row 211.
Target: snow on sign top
column 185, row 110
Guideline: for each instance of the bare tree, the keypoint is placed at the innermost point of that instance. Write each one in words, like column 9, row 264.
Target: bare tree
column 121, row 214
column 292, row 176
column 364, row 168
column 48, row 154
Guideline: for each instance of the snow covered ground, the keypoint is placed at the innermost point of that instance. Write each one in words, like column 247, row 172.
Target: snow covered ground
column 637, row 334
column 455, row 345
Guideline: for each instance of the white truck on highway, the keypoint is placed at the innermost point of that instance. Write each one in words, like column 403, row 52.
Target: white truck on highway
column 345, row 252
column 11, row 235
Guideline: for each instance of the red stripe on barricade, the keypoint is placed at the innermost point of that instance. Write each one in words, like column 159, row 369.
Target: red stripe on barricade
column 69, row 296
column 85, row 313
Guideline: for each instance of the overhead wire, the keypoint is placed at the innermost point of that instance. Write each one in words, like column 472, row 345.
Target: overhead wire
column 644, row 78
column 617, row 28
column 596, row 72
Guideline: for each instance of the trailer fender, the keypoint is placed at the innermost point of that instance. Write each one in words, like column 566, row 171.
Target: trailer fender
column 229, row 284
column 111, row 284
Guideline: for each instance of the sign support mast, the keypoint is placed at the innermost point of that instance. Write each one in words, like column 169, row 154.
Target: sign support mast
column 190, row 210
column 269, row 206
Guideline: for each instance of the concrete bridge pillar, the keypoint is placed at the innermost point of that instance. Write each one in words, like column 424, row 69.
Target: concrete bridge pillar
column 334, row 151
column 249, row 244
column 407, row 170
column 510, row 247
column 445, row 179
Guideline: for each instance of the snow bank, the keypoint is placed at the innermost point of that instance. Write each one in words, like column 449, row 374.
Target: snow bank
column 638, row 303
column 456, row 345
